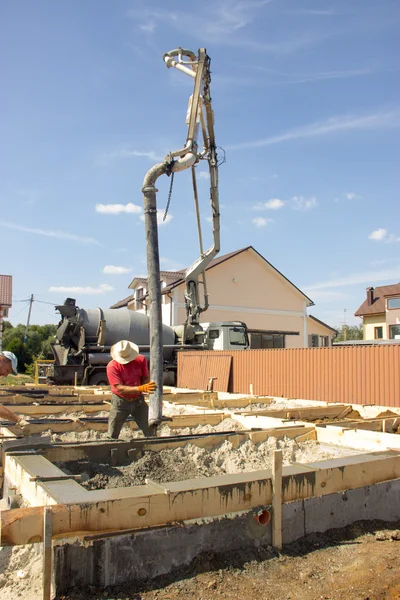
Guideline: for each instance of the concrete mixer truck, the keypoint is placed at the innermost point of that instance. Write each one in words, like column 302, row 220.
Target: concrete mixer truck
column 84, row 337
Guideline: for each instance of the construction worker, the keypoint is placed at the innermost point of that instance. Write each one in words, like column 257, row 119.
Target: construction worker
column 8, row 365
column 128, row 375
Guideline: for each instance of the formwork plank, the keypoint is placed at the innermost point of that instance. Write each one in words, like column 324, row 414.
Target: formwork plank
column 101, row 424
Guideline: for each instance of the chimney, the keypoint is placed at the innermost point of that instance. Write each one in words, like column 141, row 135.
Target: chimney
column 370, row 296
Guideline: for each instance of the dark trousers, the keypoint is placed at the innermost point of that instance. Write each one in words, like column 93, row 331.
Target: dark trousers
column 121, row 409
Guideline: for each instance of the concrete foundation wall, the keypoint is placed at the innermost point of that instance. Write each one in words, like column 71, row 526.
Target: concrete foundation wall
column 147, row 554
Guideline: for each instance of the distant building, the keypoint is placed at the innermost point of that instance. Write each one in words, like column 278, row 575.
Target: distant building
column 242, row 286
column 5, row 301
column 380, row 313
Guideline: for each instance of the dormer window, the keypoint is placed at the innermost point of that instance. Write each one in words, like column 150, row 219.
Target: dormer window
column 139, row 293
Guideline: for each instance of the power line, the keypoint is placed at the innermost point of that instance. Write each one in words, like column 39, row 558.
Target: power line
column 51, row 303
column 15, row 316
column 46, row 313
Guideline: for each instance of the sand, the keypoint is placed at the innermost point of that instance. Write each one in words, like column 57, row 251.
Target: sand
column 190, row 462
column 21, row 572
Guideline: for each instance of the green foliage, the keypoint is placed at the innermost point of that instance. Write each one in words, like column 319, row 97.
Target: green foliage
column 36, row 346
column 354, row 332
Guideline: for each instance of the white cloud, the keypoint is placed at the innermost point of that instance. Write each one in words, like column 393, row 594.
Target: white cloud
column 112, row 270
column 160, row 217
column 221, row 22
column 273, row 204
column 382, row 235
column 148, row 27
column 117, row 209
column 373, row 121
column 370, row 277
column 103, row 288
column 352, row 196
column 204, row 175
column 53, row 233
column 378, row 234
column 261, row 221
column 303, row 203
column 124, row 152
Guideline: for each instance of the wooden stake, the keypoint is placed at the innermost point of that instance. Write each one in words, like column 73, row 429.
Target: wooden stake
column 47, row 552
column 76, row 379
column 277, row 500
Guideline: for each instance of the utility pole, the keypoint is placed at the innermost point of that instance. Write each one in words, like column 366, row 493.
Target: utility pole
column 29, row 319
column 344, row 327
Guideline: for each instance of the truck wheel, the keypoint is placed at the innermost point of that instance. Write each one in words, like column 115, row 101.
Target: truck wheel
column 98, row 379
column 169, row 378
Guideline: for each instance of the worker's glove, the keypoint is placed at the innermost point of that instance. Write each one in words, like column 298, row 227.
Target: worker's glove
column 147, row 388
column 25, row 427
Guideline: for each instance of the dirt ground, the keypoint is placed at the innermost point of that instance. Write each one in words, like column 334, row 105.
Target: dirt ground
column 361, row 562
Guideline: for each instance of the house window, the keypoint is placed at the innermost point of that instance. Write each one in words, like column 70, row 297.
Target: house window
column 279, row 340
column 393, row 303
column 262, row 341
column 139, row 293
column 313, row 341
column 378, row 333
column 394, row 332
column 324, row 341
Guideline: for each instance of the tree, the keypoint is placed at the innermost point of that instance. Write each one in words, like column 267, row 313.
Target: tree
column 354, row 332
column 37, row 345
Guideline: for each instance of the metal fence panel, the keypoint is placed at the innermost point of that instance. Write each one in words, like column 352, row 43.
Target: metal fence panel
column 359, row 375
column 197, row 369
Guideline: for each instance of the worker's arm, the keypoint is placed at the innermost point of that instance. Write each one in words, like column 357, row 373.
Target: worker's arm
column 7, row 415
column 145, row 388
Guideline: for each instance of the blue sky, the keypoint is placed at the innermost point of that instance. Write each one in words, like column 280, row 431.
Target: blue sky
column 306, row 102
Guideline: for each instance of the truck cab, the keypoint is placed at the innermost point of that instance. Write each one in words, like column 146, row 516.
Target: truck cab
column 226, row 335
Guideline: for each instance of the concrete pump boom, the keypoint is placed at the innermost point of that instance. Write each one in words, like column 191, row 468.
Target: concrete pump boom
column 200, row 116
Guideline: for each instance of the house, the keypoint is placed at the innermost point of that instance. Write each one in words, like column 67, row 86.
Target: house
column 242, row 286
column 380, row 313
column 5, row 300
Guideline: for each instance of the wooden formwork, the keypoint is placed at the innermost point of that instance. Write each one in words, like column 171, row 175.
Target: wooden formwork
column 77, row 511
column 29, row 467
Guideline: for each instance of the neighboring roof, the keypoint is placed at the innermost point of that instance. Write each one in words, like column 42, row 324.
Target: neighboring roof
column 167, row 274
column 123, row 302
column 378, row 305
column 322, row 323
column 222, row 259
column 5, row 290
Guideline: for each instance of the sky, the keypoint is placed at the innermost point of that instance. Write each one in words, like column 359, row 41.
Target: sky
column 306, row 97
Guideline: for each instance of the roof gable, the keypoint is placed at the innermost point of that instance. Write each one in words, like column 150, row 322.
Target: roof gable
column 179, row 276
column 221, row 259
column 378, row 304
column 322, row 323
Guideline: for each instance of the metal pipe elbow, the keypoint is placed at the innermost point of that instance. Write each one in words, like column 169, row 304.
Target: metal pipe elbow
column 184, row 163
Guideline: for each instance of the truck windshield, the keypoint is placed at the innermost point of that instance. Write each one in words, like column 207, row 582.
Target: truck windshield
column 237, row 336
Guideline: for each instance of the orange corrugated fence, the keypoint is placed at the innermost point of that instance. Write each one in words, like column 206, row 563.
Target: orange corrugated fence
column 360, row 374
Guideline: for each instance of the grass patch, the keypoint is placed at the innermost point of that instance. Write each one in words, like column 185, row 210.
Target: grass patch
column 16, row 380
